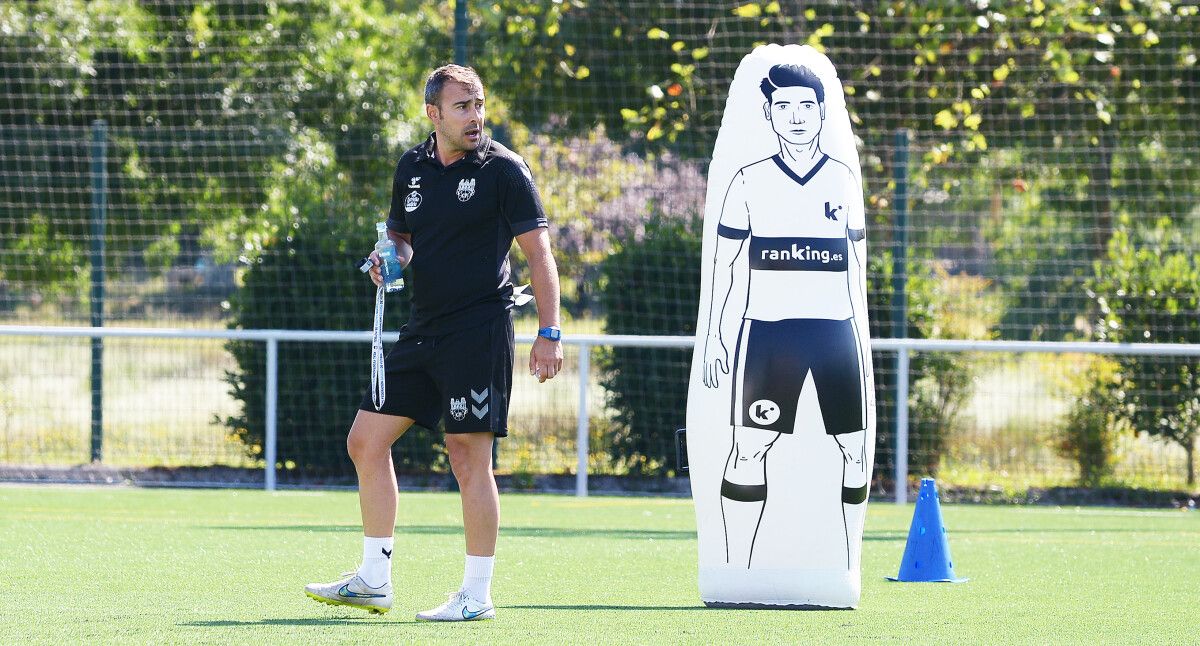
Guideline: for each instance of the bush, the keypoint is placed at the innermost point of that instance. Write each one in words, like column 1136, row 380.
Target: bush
column 302, row 278
column 939, row 382
column 652, row 285
column 1094, row 423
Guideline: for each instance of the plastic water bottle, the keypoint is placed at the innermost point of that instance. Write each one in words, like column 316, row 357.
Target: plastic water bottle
column 393, row 278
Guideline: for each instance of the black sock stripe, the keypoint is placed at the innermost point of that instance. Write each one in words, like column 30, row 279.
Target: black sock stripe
column 854, row 495
column 743, row 493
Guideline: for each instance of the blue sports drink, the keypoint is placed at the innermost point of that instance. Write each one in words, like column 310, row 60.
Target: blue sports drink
column 393, row 278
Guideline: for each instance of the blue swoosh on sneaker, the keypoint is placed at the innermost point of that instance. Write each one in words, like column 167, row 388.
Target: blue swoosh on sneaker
column 467, row 614
column 345, row 591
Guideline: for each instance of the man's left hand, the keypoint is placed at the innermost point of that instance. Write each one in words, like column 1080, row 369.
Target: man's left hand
column 545, row 359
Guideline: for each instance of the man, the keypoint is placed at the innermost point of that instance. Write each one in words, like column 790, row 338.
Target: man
column 458, row 202
column 801, row 212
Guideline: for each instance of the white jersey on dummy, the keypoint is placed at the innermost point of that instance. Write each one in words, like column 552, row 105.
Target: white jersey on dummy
column 804, row 255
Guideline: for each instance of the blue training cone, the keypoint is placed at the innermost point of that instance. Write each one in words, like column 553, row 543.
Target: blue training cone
column 927, row 552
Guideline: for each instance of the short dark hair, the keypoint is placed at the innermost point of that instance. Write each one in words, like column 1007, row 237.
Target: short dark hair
column 446, row 73
column 791, row 76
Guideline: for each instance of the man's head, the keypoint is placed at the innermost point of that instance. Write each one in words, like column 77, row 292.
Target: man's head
column 454, row 103
column 795, row 103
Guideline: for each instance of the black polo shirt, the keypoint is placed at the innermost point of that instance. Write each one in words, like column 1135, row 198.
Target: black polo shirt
column 462, row 218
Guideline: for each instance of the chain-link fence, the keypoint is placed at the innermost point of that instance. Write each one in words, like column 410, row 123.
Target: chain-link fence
column 219, row 164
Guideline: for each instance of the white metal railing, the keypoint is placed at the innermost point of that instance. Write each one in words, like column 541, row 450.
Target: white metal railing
column 585, row 343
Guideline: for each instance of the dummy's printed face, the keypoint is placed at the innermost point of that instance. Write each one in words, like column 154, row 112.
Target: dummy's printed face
column 795, row 114
column 458, row 117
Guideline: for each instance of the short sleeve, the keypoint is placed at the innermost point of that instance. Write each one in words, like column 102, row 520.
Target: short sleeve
column 857, row 220
column 396, row 221
column 520, row 204
column 735, row 212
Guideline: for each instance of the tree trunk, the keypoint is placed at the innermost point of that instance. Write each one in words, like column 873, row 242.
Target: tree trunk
column 1191, row 462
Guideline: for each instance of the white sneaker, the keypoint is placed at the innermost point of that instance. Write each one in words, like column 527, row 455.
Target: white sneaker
column 354, row 592
column 460, row 607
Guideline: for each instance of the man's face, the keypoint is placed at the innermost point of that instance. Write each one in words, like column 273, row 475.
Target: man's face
column 795, row 114
column 458, row 117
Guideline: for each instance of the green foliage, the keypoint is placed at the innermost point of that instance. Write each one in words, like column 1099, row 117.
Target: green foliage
column 940, row 382
column 202, row 100
column 288, row 285
column 1095, row 422
column 653, row 285
column 1148, row 291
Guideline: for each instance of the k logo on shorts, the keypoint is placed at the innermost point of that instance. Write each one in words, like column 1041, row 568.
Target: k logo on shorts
column 764, row 412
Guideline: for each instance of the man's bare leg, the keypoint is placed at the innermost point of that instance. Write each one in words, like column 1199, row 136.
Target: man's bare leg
column 471, row 461
column 370, row 447
column 744, row 491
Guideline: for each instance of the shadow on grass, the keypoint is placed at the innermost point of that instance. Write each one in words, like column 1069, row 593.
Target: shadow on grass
column 305, row 621
column 576, row 608
column 530, row 532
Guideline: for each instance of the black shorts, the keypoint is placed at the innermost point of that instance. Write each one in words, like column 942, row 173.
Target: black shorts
column 464, row 377
column 772, row 360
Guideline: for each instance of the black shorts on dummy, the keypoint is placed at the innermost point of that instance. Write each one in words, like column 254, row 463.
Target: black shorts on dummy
column 772, row 360
column 464, row 377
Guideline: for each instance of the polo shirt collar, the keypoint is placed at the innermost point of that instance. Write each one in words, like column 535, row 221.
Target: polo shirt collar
column 428, row 150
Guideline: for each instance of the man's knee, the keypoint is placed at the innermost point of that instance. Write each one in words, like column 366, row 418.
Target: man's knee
column 360, row 446
column 372, row 436
column 470, row 456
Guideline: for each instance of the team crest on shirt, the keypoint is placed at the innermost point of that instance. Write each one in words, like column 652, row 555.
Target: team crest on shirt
column 466, row 189
column 458, row 408
column 412, row 201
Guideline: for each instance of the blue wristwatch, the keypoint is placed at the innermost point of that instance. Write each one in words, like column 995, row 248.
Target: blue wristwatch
column 552, row 333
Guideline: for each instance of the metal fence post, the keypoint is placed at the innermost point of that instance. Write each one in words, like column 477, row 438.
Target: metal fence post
column 902, row 426
column 272, row 395
column 582, row 436
column 99, row 218
column 460, row 32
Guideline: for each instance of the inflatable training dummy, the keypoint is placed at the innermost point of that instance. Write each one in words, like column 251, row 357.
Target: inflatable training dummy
column 781, row 406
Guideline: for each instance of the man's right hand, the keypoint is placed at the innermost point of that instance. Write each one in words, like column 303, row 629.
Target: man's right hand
column 716, row 360
column 376, row 273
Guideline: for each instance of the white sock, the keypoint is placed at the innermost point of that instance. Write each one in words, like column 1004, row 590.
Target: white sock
column 376, row 568
column 477, row 577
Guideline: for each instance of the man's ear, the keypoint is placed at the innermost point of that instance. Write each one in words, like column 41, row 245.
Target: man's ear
column 767, row 109
column 433, row 112
column 822, row 104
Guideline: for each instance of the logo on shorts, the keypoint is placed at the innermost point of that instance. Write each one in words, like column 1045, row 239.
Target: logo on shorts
column 458, row 408
column 412, row 201
column 481, row 399
column 466, row 189
column 764, row 412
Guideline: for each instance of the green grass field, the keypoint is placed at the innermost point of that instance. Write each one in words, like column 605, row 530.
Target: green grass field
column 126, row 565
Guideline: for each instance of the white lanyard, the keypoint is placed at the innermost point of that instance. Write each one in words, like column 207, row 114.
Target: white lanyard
column 378, row 381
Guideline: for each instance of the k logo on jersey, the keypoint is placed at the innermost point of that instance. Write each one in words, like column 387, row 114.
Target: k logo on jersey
column 831, row 213
column 466, row 189
column 764, row 412
column 458, row 408
column 412, row 201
